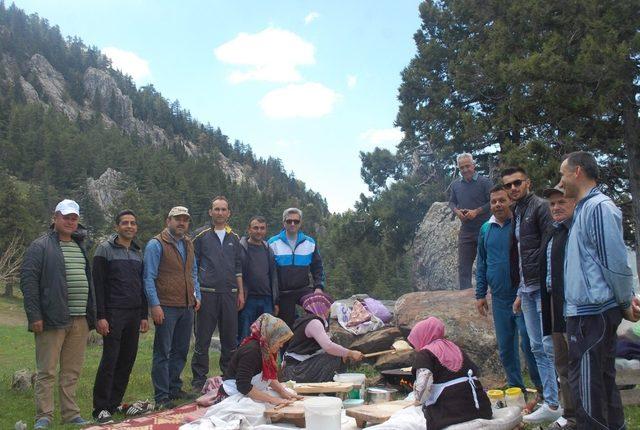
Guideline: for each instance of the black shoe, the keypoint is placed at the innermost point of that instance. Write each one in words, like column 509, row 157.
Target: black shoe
column 182, row 395
column 104, row 417
column 164, row 404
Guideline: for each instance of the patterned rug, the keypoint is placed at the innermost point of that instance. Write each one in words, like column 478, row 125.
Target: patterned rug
column 170, row 419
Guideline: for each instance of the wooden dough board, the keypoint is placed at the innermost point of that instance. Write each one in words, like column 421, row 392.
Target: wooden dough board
column 376, row 413
column 323, row 387
column 293, row 413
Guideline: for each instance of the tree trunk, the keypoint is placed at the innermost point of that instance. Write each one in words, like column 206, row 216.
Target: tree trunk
column 632, row 144
column 8, row 289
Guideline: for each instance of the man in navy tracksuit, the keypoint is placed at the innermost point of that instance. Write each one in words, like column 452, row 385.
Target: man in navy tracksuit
column 494, row 270
column 598, row 288
column 122, row 313
column 297, row 257
column 219, row 260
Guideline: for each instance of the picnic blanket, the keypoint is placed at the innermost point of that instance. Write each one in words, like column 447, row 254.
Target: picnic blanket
column 170, row 419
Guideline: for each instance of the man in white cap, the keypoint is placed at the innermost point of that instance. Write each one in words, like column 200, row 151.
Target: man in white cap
column 59, row 301
column 173, row 293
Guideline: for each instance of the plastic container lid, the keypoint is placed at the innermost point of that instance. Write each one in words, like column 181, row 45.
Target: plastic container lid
column 514, row 391
column 322, row 404
column 495, row 394
column 350, row 403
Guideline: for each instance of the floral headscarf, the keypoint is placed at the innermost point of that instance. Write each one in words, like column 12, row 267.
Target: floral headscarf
column 318, row 304
column 268, row 331
column 429, row 334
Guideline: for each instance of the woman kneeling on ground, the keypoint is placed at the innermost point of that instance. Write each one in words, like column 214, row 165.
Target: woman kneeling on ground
column 447, row 382
column 446, row 385
column 253, row 367
column 311, row 356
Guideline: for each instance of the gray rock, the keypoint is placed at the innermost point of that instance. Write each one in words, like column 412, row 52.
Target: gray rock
column 107, row 190
column 29, row 92
column 23, row 380
column 434, row 252
column 379, row 340
column 464, row 326
column 53, row 86
column 340, row 335
column 395, row 361
column 94, row 339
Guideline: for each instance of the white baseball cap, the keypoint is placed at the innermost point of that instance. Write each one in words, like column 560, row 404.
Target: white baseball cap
column 67, row 207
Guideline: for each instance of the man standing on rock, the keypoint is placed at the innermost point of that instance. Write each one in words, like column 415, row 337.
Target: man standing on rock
column 59, row 301
column 598, row 286
column 297, row 256
column 122, row 313
column 531, row 220
column 493, row 270
column 469, row 200
column 173, row 293
column 552, row 255
column 259, row 276
column 217, row 250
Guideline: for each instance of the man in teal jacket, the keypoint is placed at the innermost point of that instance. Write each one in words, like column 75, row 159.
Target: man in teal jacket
column 493, row 270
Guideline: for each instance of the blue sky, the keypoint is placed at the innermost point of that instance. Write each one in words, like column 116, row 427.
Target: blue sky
column 310, row 82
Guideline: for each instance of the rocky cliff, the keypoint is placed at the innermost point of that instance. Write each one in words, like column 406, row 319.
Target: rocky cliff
column 41, row 83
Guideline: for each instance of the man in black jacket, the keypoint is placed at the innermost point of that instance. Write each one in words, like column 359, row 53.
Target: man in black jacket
column 59, row 301
column 259, row 276
column 122, row 313
column 552, row 296
column 217, row 250
column 531, row 219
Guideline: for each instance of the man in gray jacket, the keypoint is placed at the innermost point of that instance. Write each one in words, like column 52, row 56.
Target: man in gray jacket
column 217, row 251
column 59, row 301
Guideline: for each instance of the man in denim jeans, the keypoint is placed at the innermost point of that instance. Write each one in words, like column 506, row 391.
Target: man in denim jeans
column 494, row 271
column 532, row 219
column 173, row 293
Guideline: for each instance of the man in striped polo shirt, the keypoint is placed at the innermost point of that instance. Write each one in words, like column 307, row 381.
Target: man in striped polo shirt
column 59, row 301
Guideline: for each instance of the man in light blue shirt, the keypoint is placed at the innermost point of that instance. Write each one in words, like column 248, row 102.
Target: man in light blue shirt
column 598, row 294
column 173, row 293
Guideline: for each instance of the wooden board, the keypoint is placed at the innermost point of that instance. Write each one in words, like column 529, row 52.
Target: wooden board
column 376, row 413
column 323, row 387
column 293, row 413
column 629, row 377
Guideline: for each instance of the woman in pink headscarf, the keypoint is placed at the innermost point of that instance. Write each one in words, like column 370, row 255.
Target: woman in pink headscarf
column 446, row 382
column 311, row 356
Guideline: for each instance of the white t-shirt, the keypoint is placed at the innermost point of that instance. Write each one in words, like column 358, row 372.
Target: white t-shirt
column 221, row 234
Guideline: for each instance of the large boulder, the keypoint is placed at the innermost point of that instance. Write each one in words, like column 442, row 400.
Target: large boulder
column 396, row 360
column 374, row 341
column 434, row 252
column 473, row 333
column 339, row 335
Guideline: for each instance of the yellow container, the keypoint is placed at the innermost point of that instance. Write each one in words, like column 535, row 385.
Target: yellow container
column 497, row 398
column 514, row 397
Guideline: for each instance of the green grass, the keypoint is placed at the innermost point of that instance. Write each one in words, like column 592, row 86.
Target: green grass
column 17, row 352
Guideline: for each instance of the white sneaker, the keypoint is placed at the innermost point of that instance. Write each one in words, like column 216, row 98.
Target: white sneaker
column 543, row 414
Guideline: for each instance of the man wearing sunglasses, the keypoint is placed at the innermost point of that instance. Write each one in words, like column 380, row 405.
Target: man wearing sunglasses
column 532, row 218
column 469, row 200
column 297, row 257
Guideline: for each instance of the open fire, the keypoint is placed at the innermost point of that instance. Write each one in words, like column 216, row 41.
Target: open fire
column 399, row 378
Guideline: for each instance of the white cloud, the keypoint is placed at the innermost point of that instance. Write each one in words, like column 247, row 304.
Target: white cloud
column 128, row 62
column 272, row 55
column 352, row 80
column 311, row 17
column 383, row 137
column 308, row 100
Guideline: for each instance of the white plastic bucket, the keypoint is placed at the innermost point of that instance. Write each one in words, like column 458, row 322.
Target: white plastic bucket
column 322, row 413
column 357, row 379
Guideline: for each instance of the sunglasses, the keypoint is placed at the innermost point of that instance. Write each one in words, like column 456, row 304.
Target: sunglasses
column 515, row 183
column 292, row 221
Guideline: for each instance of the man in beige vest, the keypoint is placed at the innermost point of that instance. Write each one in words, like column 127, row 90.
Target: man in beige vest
column 173, row 293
